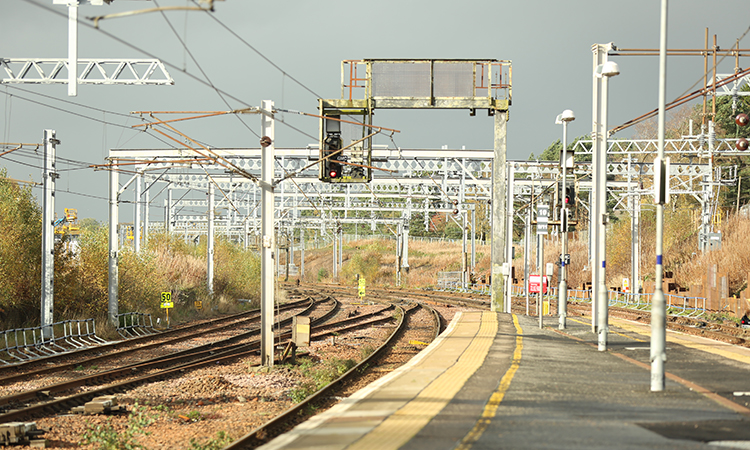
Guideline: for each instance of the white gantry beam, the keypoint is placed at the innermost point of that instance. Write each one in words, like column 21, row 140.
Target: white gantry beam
column 90, row 71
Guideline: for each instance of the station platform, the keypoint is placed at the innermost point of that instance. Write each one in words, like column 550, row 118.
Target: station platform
column 499, row 381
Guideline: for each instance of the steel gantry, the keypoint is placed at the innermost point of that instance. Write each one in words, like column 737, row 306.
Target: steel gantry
column 82, row 71
column 536, row 182
column 692, row 149
column 409, row 180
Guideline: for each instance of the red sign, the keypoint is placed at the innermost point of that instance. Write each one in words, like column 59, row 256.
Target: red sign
column 534, row 284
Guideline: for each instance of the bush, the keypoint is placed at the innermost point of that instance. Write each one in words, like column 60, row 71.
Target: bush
column 20, row 253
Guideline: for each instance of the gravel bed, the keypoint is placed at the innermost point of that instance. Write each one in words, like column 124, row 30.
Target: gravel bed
column 237, row 397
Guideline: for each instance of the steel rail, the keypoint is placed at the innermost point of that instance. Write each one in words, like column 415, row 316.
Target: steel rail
column 188, row 356
column 262, row 433
column 130, row 342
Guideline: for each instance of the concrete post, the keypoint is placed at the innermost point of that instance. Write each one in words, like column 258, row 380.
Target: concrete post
column 114, row 244
column 169, row 211
column 498, row 211
column 267, row 232
column 210, row 240
column 137, row 213
column 509, row 240
column 48, row 233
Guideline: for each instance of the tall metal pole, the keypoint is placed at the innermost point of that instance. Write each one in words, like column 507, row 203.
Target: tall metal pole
column 48, row 234
column 527, row 255
column 137, row 213
column 267, row 232
column 146, row 201
column 509, row 240
column 168, row 212
column 602, row 298
column 659, row 307
column 540, row 270
column 340, row 237
column 465, row 251
column 335, row 243
column 498, row 211
column 301, row 253
column 604, row 71
column 73, row 48
column 473, row 236
column 210, row 240
column 562, row 299
column 599, row 54
column 114, row 244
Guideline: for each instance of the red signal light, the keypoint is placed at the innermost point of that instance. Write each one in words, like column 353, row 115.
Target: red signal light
column 333, row 173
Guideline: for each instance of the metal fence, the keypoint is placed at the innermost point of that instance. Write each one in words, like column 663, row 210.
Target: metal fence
column 676, row 305
column 24, row 344
column 134, row 324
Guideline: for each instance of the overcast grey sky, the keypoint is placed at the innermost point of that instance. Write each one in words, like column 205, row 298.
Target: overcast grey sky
column 549, row 43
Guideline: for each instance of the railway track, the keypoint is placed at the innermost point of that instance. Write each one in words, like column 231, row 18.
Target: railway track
column 348, row 327
column 128, row 348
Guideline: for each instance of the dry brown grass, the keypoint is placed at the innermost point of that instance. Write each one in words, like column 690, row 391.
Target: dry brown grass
column 681, row 255
column 733, row 259
column 426, row 259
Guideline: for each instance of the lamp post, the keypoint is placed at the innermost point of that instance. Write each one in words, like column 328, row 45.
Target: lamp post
column 658, row 352
column 562, row 301
column 604, row 71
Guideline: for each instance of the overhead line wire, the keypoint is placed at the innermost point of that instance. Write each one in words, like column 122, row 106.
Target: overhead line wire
column 262, row 55
column 195, row 61
column 82, row 116
column 174, row 66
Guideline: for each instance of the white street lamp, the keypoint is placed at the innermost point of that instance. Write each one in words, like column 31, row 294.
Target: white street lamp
column 564, row 118
column 604, row 71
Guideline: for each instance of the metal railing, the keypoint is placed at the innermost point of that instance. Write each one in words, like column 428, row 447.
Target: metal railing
column 24, row 344
column 134, row 324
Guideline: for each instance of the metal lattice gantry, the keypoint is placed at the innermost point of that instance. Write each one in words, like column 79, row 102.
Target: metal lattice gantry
column 89, row 71
column 370, row 84
column 425, row 181
column 74, row 71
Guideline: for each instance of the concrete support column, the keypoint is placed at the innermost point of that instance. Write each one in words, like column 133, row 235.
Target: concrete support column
column 498, row 211
column 48, row 233
column 114, row 245
column 267, row 233
column 137, row 213
column 210, row 240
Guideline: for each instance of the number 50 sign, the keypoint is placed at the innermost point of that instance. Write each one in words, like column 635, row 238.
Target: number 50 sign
column 166, row 300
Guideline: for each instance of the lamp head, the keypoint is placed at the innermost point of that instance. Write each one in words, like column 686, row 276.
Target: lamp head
column 608, row 69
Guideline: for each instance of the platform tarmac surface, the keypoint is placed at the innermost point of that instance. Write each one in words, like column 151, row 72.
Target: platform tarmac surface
column 498, row 381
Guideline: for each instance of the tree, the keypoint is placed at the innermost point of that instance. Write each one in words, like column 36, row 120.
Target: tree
column 20, row 252
column 726, row 112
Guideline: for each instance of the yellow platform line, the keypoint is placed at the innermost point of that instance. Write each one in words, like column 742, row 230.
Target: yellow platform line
column 491, row 408
column 405, row 423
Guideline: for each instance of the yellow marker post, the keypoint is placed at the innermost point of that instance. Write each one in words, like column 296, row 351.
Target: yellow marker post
column 166, row 303
column 361, row 288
